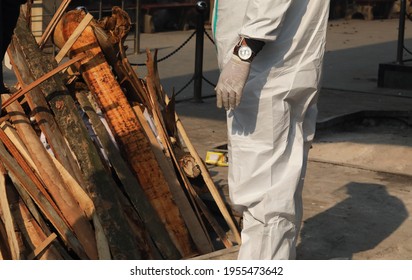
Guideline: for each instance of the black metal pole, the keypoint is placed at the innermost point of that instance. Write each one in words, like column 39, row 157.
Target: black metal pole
column 201, row 7
column 401, row 34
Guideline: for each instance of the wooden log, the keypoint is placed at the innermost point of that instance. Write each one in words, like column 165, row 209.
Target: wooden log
column 9, row 223
column 131, row 185
column 126, row 129
column 75, row 35
column 43, row 115
column 99, row 184
column 199, row 231
column 32, row 233
column 5, row 253
column 52, row 24
column 36, row 217
column 37, row 192
column 53, row 180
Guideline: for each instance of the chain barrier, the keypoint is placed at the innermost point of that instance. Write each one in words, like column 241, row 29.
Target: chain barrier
column 210, row 37
column 209, row 82
column 171, row 54
column 185, row 86
column 201, row 6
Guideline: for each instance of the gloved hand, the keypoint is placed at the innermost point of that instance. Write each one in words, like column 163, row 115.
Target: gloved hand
column 231, row 82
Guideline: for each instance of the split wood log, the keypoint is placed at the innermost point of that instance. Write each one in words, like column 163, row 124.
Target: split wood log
column 99, row 184
column 36, row 217
column 170, row 130
column 53, row 181
column 131, row 185
column 34, row 187
column 43, row 115
column 5, row 253
column 125, row 74
column 52, row 24
column 199, row 233
column 198, row 230
column 9, row 223
column 32, row 233
column 208, row 180
column 126, row 128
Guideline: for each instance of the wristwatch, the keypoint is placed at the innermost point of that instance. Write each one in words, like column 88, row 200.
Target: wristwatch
column 243, row 51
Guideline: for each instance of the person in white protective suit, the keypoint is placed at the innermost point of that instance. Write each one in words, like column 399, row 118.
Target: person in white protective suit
column 270, row 53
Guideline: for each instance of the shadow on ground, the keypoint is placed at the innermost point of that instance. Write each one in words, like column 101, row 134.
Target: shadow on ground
column 360, row 222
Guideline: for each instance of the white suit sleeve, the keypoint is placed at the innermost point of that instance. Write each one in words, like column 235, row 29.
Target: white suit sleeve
column 263, row 19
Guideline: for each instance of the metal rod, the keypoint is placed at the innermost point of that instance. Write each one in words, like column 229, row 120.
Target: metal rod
column 137, row 29
column 201, row 7
column 100, row 9
column 401, row 32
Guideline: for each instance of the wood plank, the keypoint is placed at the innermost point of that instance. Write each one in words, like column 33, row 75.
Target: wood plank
column 42, row 246
column 159, row 98
column 208, row 180
column 52, row 24
column 131, row 185
column 73, row 37
column 9, row 221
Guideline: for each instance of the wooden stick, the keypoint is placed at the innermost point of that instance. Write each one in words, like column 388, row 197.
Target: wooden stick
column 196, row 228
column 130, row 183
column 42, row 246
column 72, row 39
column 8, row 220
column 208, row 180
column 56, row 17
column 26, row 89
column 36, row 190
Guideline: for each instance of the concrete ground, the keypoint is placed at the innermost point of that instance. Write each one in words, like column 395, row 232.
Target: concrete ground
column 357, row 196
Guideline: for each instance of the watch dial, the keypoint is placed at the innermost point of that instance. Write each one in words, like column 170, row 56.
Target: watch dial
column 245, row 52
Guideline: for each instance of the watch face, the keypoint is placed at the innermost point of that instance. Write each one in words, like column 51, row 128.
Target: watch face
column 245, row 52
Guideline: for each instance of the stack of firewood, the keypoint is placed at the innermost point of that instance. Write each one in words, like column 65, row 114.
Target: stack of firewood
column 95, row 163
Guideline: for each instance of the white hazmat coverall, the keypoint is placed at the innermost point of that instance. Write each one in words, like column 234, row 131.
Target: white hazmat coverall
column 270, row 131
